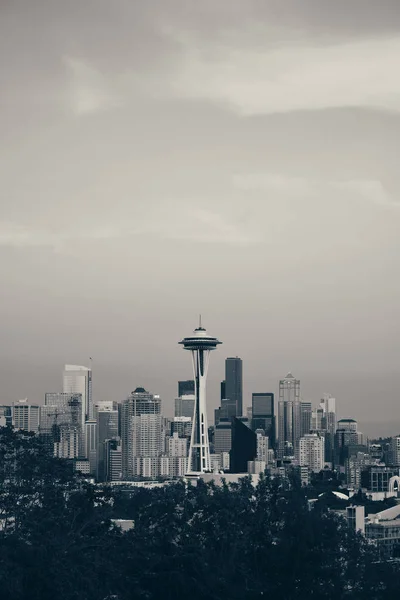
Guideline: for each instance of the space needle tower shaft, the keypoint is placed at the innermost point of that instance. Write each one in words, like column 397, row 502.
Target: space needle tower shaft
column 200, row 345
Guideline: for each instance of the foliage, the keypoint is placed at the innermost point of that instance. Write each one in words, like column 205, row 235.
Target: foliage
column 204, row 542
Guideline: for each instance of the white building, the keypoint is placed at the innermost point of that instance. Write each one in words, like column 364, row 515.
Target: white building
column 312, row 452
column 255, row 467
column 177, row 446
column 262, row 446
column 78, row 380
column 395, row 451
column 69, row 443
column 26, row 416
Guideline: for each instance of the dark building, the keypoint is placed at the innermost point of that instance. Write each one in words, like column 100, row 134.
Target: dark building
column 262, row 405
column 186, row 388
column 243, row 446
column 305, row 418
column 234, row 383
column 376, row 478
column 223, row 390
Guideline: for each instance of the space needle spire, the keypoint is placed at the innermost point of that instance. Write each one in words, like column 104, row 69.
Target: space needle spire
column 200, row 345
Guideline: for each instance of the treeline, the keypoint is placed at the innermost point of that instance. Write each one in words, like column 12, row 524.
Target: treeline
column 237, row 542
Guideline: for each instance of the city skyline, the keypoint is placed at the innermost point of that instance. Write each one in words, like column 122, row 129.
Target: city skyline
column 373, row 430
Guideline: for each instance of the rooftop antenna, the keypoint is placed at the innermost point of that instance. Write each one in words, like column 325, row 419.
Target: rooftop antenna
column 200, row 327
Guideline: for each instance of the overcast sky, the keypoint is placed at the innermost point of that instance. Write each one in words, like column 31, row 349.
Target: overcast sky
column 238, row 158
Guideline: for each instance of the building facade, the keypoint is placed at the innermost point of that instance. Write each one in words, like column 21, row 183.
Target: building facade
column 234, row 384
column 289, row 417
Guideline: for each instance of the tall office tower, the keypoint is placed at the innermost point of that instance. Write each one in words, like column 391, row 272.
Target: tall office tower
column 222, row 390
column 78, row 380
column 312, row 452
column 177, row 446
column 184, row 405
column 243, row 447
column 61, row 417
column 91, row 444
column 200, row 345
column 112, row 460
column 305, row 418
column 107, row 429
column 289, row 417
column 182, row 426
column 263, row 415
column 234, row 383
column 26, row 416
column 185, row 388
column 328, row 406
column 223, row 436
column 317, row 420
column 228, row 408
column 346, row 436
column 147, row 443
column 139, row 402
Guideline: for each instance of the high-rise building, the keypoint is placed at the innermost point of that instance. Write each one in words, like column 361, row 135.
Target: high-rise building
column 328, row 405
column 147, row 441
column 394, row 451
column 305, row 418
column 223, row 436
column 182, row 426
column 91, row 444
column 184, row 405
column 185, row 388
column 139, row 402
column 262, row 414
column 234, row 383
column 60, row 424
column 112, row 460
column 262, row 446
column 312, row 452
column 346, row 436
column 243, row 446
column 222, row 390
column 289, row 417
column 78, row 380
column 200, row 345
column 26, row 416
column 106, row 429
column 177, row 446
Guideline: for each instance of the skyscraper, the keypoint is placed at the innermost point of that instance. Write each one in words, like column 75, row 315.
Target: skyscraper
column 312, row 452
column 25, row 415
column 78, row 380
column 139, row 402
column 184, row 405
column 107, row 429
column 328, row 407
column 262, row 412
column 305, row 418
column 234, row 383
column 289, row 417
column 185, row 388
column 243, row 446
column 200, row 345
column 60, row 419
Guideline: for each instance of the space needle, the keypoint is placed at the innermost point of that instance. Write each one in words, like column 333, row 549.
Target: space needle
column 200, row 345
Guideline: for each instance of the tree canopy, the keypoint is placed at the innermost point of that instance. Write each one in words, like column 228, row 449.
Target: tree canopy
column 204, row 542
